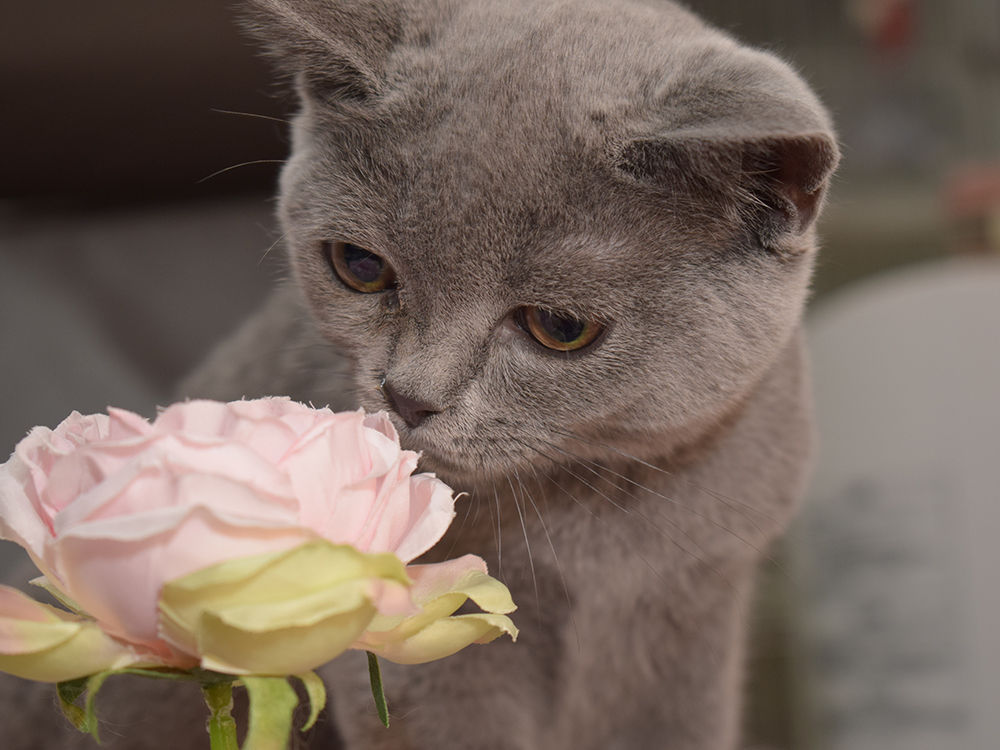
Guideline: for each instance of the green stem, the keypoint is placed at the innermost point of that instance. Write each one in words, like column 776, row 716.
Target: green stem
column 221, row 725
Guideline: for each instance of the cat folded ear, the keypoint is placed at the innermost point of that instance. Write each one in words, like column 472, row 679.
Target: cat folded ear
column 773, row 185
column 335, row 49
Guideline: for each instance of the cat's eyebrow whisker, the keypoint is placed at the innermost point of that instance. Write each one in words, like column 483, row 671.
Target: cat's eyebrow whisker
column 272, row 246
column 729, row 501
column 701, row 560
column 617, row 534
column 237, row 166
column 527, row 543
column 258, row 116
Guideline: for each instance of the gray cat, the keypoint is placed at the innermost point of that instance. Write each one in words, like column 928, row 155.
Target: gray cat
column 567, row 245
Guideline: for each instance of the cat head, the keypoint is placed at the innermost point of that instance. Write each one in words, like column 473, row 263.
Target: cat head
column 527, row 219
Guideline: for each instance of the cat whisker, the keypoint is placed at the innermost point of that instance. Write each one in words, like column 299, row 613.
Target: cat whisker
column 677, row 598
column 461, row 528
column 272, row 246
column 640, row 516
column 701, row 560
column 241, row 164
column 728, row 501
column 527, row 542
column 479, row 503
column 258, row 116
column 499, row 535
column 555, row 557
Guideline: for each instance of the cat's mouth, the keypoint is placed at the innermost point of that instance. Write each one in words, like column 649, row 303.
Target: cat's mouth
column 458, row 460
column 464, row 450
column 483, row 462
column 461, row 455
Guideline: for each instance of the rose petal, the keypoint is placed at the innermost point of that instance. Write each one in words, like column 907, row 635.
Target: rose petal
column 232, row 650
column 277, row 614
column 20, row 519
column 158, row 477
column 230, row 502
column 432, row 509
column 265, row 426
column 320, row 465
column 43, row 449
column 80, row 428
column 118, row 581
column 38, row 642
column 443, row 638
column 126, row 425
column 388, row 513
column 440, row 589
column 88, row 467
column 212, row 419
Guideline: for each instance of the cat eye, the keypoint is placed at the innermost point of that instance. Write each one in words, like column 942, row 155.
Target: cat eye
column 558, row 331
column 360, row 269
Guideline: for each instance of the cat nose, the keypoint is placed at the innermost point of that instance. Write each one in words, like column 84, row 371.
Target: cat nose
column 411, row 410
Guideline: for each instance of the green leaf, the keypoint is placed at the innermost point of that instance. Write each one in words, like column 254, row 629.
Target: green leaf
column 94, row 683
column 316, row 691
column 68, row 693
column 377, row 691
column 221, row 724
column 83, row 718
column 72, row 689
column 272, row 701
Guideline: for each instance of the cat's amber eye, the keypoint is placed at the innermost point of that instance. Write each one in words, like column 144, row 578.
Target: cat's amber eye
column 558, row 331
column 360, row 269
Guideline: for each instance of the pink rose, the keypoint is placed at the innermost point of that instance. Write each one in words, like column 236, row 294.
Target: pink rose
column 113, row 507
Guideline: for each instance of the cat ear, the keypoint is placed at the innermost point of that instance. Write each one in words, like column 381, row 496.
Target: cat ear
column 775, row 184
column 335, row 49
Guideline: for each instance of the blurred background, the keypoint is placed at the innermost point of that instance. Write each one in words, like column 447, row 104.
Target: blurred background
column 139, row 148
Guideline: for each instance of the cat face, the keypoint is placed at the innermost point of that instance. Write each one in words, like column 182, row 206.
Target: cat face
column 530, row 219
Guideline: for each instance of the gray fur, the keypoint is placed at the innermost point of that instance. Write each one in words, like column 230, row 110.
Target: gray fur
column 617, row 160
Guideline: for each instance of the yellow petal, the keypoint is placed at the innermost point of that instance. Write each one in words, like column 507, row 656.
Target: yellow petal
column 43, row 582
column 232, row 650
column 39, row 642
column 440, row 589
column 280, row 613
column 442, row 638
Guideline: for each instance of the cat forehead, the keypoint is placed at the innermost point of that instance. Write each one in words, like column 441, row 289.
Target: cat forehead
column 538, row 60
column 646, row 62
column 582, row 273
column 542, row 83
